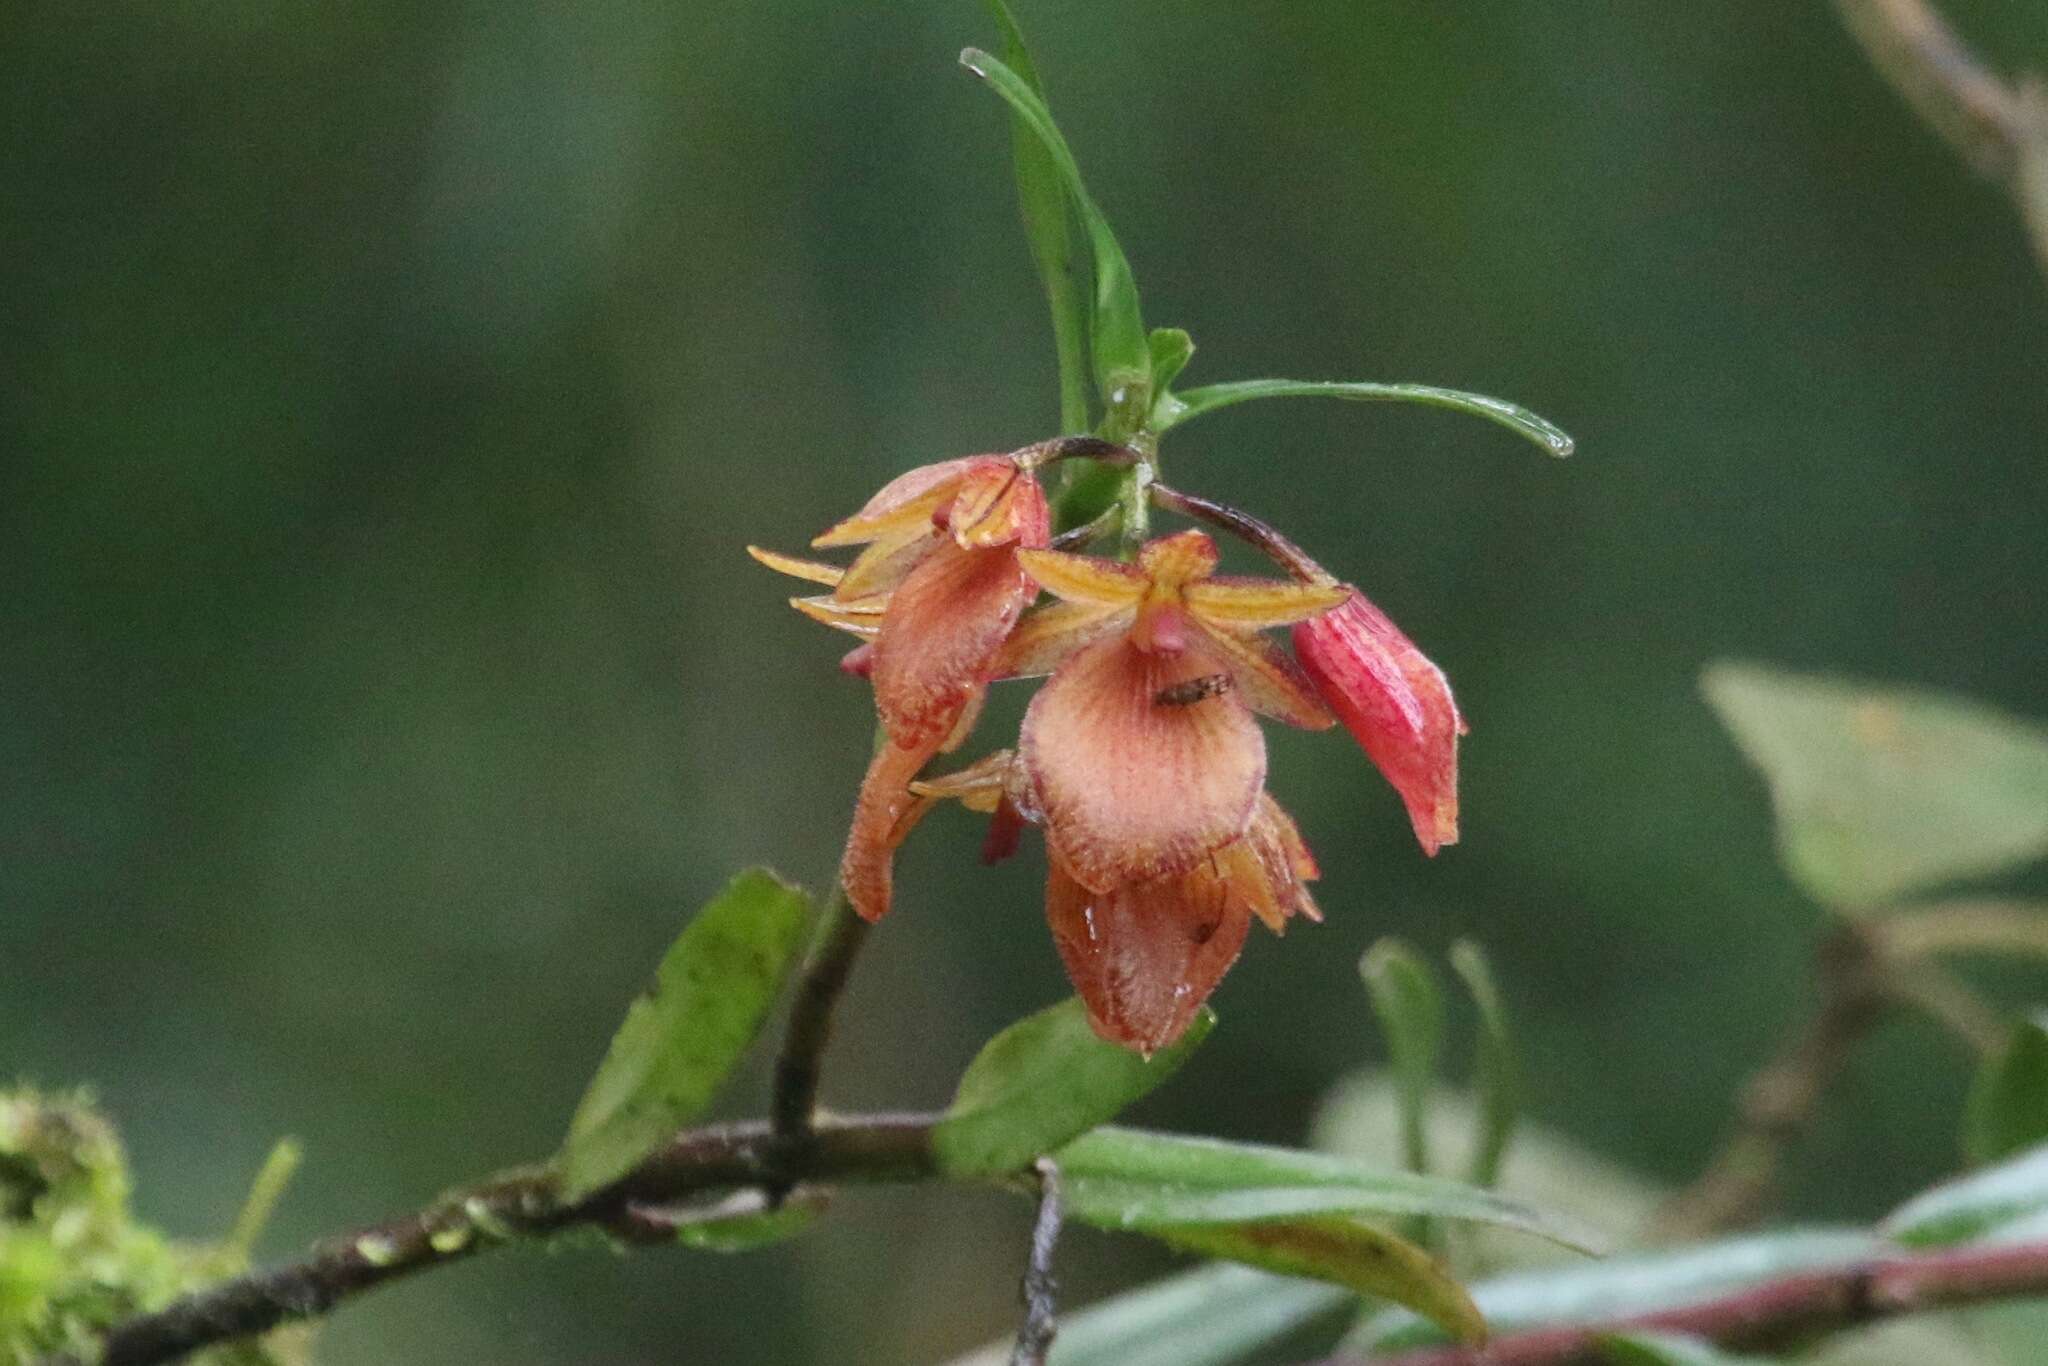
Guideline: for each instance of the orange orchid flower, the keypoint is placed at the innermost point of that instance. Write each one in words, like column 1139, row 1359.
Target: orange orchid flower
column 1143, row 762
column 934, row 594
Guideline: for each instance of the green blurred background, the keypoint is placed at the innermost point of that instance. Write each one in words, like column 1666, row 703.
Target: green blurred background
column 387, row 391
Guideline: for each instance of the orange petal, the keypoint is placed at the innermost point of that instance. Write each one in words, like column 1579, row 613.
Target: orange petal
column 1146, row 955
column 978, row 787
column 905, row 502
column 882, row 815
column 1055, row 631
column 1253, row 604
column 814, row 570
column 862, row 617
column 1396, row 704
column 888, row 561
column 1269, row 680
column 1185, row 557
column 1085, row 578
column 999, row 503
column 940, row 637
column 1269, row 865
column 1132, row 788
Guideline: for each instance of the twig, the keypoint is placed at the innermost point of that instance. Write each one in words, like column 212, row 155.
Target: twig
column 2001, row 128
column 1034, row 1338
column 525, row 1204
column 1950, row 1003
column 794, row 1099
column 1778, row 1313
column 1779, row 1103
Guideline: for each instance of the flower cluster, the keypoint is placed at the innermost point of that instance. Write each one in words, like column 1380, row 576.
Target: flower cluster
column 1140, row 757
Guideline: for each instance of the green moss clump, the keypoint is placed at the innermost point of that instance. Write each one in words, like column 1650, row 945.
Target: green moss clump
column 73, row 1260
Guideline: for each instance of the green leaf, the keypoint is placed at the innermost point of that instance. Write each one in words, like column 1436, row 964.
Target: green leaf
column 1347, row 1252
column 1172, row 348
column 1517, row 419
column 1129, row 1179
column 1360, row 1120
column 1883, row 792
column 1211, row 1316
column 1498, row 1071
column 1282, row 1210
column 1972, row 1206
column 1624, row 1287
column 1667, row 1349
column 1043, row 1081
column 1411, row 1013
column 688, row 1031
column 2008, row 1106
column 1042, row 201
column 1121, row 351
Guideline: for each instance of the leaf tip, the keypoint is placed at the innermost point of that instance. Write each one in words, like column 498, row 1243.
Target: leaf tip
column 975, row 60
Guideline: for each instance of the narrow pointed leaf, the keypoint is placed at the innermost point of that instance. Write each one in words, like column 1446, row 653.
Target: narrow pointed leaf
column 1512, row 416
column 1122, row 355
column 1624, row 1287
column 1497, row 1073
column 1972, row 1206
column 2008, row 1106
column 1130, row 1179
column 1665, row 1349
column 1411, row 1013
column 264, row 1193
column 1042, row 201
column 682, row 1038
column 1211, row 1316
column 1043, row 1081
column 1883, row 792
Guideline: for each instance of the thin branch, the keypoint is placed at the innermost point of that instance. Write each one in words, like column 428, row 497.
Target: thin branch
column 1951, row 1004
column 1977, row 925
column 1999, row 127
column 794, row 1099
column 1040, row 1290
column 526, row 1204
column 1778, row 1313
column 1779, row 1104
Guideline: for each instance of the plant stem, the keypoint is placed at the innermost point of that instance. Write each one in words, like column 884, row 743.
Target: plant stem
column 1777, row 1313
column 2001, row 128
column 1245, row 527
column 1040, row 1290
column 793, row 1101
column 525, row 1204
column 1779, row 1103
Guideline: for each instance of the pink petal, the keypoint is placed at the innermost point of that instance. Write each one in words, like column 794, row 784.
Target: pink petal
column 1395, row 703
column 1131, row 787
column 940, row 637
column 1146, row 955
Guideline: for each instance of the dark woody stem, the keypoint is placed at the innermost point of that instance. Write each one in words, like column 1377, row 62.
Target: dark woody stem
column 526, row 1204
column 1246, row 528
column 1034, row 1338
column 793, row 1101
